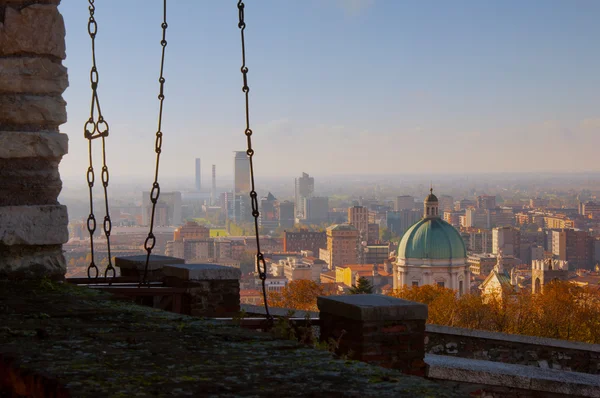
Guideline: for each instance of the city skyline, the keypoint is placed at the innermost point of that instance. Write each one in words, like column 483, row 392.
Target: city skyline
column 495, row 87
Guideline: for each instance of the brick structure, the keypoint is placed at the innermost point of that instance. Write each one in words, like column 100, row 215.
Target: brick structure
column 377, row 329
column 211, row 290
column 33, row 225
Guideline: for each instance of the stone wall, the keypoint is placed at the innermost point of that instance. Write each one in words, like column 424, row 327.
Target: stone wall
column 33, row 225
column 513, row 349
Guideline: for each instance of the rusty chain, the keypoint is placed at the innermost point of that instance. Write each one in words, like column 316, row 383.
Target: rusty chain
column 261, row 266
column 150, row 241
column 97, row 127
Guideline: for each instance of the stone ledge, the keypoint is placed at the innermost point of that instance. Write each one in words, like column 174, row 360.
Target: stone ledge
column 372, row 307
column 31, row 262
column 201, row 272
column 43, row 111
column 32, row 76
column 512, row 338
column 472, row 371
column 33, row 225
column 36, row 29
column 32, row 144
column 138, row 262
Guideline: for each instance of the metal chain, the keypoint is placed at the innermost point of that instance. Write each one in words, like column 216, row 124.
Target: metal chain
column 261, row 266
column 155, row 193
column 97, row 128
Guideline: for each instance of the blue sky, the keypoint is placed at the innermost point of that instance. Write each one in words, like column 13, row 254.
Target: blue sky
column 342, row 86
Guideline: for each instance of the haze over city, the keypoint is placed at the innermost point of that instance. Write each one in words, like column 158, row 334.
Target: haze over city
column 342, row 87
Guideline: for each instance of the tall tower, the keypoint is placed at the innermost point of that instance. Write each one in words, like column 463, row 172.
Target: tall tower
column 198, row 175
column 241, row 172
column 305, row 186
column 213, row 190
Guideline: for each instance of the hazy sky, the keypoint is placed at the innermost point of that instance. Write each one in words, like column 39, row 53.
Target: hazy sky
column 342, row 86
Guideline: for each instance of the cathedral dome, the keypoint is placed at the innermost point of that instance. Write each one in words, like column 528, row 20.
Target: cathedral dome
column 432, row 238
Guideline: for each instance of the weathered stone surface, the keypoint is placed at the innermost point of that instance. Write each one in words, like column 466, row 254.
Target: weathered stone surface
column 32, row 144
column 32, row 76
column 374, row 307
column 32, row 110
column 135, row 265
column 20, row 262
column 33, row 225
column 36, row 29
column 29, row 181
column 200, row 272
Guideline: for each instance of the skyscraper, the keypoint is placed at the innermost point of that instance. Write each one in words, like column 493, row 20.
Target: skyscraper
column 213, row 190
column 241, row 172
column 305, row 186
column 198, row 177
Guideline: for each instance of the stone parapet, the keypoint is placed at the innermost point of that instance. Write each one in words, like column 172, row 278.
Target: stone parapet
column 377, row 329
column 32, row 79
column 212, row 290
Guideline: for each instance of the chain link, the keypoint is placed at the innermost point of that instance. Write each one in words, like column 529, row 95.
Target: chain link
column 155, row 192
column 261, row 266
column 97, row 128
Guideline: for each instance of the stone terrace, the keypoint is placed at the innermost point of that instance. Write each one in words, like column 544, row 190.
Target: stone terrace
column 75, row 341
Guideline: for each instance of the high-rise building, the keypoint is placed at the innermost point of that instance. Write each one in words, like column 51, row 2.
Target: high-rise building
column 198, row 175
column 399, row 221
column 342, row 245
column 286, row 213
column 591, row 210
column 486, row 202
column 446, row 203
column 575, row 247
column 191, row 230
column 304, row 240
column 241, row 173
column 316, row 209
column 358, row 216
column 168, row 209
column 464, row 204
column 404, row 202
column 305, row 187
column 507, row 239
column 269, row 217
column 213, row 189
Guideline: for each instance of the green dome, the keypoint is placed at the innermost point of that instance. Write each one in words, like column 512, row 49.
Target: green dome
column 432, row 238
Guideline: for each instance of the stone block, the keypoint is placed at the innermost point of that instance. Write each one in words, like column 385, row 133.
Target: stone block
column 36, row 29
column 29, row 75
column 32, row 110
column 372, row 307
column 29, row 181
column 16, row 144
column 33, row 225
column 22, row 261
column 135, row 265
column 195, row 272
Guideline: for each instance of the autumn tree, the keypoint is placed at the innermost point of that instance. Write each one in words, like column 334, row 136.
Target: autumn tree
column 299, row 295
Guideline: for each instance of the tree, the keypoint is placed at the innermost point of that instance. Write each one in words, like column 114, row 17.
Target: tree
column 385, row 234
column 363, row 286
column 299, row 295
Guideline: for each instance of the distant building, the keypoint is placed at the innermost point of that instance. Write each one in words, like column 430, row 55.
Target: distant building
column 304, row 188
column 286, row 214
column 486, row 202
column 316, row 209
column 546, row 271
column 213, row 189
column 573, row 246
column 538, row 203
column 168, row 209
column 342, row 245
column 404, row 202
column 358, row 216
column 482, row 264
column 191, row 230
column 399, row 221
column 269, row 216
column 379, row 275
column 377, row 254
column 499, row 283
column 464, row 204
column 304, row 240
column 478, row 240
column 507, row 240
column 241, row 172
column 446, row 203
column 198, row 176
column 591, row 210
column 453, row 217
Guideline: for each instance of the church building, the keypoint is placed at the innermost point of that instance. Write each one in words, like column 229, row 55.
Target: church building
column 432, row 252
